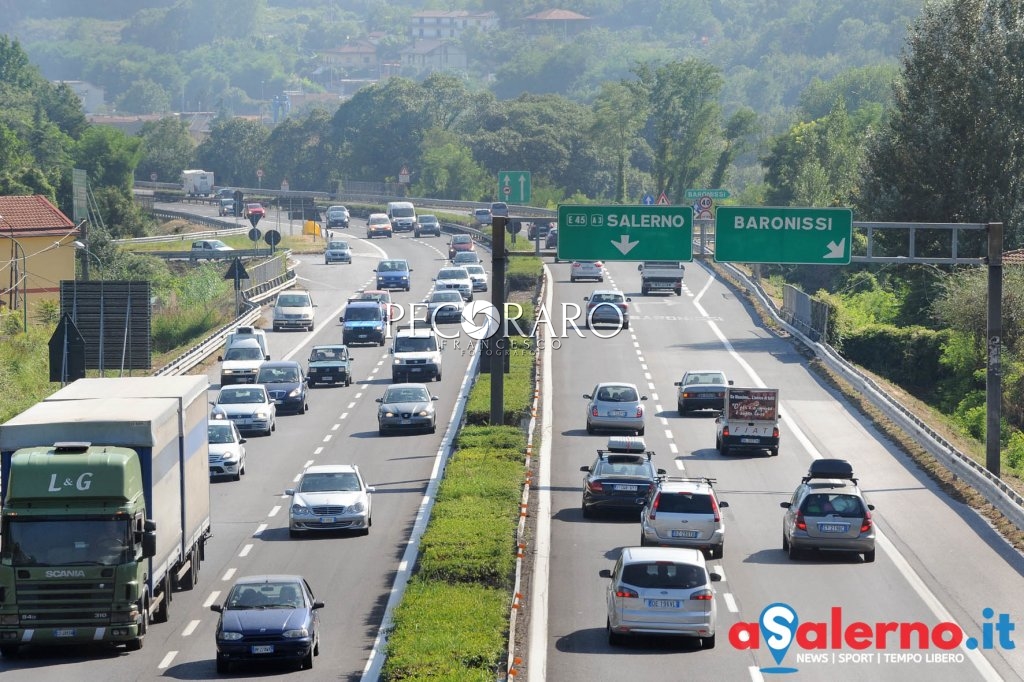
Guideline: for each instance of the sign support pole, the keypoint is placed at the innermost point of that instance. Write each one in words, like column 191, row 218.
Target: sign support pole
column 497, row 345
column 993, row 374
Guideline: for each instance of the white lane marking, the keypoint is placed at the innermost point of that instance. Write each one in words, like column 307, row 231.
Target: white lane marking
column 657, row 408
column 309, row 463
column 190, row 628
column 650, row 386
column 273, row 512
column 668, row 433
column 654, row 396
column 673, row 449
column 647, row 375
column 327, row 438
column 899, row 561
column 343, row 415
column 717, row 568
column 679, row 464
column 730, row 602
column 166, row 661
column 245, row 550
column 228, row 574
column 318, row 450
column 350, row 406
column 664, row 422
column 335, row 427
column 259, row 529
column 211, row 599
column 643, row 365
column 358, row 396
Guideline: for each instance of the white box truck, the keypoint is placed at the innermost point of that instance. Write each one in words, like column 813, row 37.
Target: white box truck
column 197, row 182
column 750, row 421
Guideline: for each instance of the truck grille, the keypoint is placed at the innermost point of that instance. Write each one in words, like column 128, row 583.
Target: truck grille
column 52, row 603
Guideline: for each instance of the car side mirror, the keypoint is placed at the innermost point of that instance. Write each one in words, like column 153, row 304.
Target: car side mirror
column 785, row 505
column 585, row 468
column 242, row 440
column 434, row 397
column 723, row 503
column 715, row 577
column 341, row 319
column 586, row 298
column 216, row 608
column 640, row 267
column 267, row 357
column 391, row 351
column 289, row 491
column 220, row 358
column 587, row 396
column 871, row 507
column 318, row 605
column 662, row 472
column 678, row 383
column 380, row 400
column 605, row 573
column 628, row 298
column 731, row 382
column 643, row 397
column 718, row 419
column 370, row 489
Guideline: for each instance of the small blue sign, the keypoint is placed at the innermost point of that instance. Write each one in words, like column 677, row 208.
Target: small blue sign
column 648, row 199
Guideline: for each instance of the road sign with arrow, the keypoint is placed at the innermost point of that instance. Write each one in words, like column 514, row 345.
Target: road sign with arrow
column 762, row 234
column 619, row 233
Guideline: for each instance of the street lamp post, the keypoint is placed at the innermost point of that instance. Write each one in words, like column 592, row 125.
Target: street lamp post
column 80, row 246
column 22, row 276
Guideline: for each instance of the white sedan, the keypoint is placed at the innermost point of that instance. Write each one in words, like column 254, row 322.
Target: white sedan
column 249, row 406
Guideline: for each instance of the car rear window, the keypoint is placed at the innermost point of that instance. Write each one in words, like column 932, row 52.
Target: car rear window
column 826, row 504
column 613, row 467
column 684, row 503
column 664, row 574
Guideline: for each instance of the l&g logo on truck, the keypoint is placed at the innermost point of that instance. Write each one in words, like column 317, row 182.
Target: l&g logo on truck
column 82, row 483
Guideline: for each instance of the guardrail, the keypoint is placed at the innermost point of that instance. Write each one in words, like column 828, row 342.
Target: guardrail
column 996, row 491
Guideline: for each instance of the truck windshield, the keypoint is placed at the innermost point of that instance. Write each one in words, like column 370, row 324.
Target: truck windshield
column 362, row 314
column 412, row 344
column 243, row 354
column 63, row 542
column 403, row 212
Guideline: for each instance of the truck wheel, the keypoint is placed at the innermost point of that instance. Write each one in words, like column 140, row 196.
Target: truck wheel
column 136, row 644
column 9, row 650
column 644, row 291
column 679, row 291
column 163, row 614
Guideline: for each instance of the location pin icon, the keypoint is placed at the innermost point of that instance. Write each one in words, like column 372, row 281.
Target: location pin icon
column 778, row 628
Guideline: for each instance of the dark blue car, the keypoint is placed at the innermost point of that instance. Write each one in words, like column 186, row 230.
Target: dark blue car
column 394, row 274
column 268, row 618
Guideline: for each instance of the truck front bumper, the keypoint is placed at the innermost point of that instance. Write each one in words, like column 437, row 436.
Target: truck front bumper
column 69, row 635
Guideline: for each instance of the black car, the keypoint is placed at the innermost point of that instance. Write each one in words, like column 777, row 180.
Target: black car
column 337, row 216
column 428, row 224
column 538, row 229
column 330, row 364
column 286, row 384
column 620, row 477
column 551, row 241
column 268, row 618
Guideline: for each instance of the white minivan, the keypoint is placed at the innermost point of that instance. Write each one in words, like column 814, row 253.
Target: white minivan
column 402, row 215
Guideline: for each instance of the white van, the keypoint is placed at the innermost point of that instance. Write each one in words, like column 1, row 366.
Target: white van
column 402, row 215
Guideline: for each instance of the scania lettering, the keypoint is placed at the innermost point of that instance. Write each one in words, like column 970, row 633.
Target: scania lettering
column 822, row 224
column 106, row 510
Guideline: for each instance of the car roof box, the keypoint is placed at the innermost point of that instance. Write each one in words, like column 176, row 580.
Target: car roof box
column 246, row 330
column 626, row 444
column 830, row 468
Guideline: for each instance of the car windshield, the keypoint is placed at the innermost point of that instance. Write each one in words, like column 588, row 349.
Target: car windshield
column 427, row 219
column 337, row 246
column 326, row 355
column 403, row 212
column 445, row 297
column 336, row 212
column 416, row 344
column 278, row 375
column 329, row 481
column 255, row 207
column 824, row 504
column 379, row 220
column 409, row 394
column 709, row 378
column 266, row 596
column 243, row 354
column 361, row 314
column 293, row 301
column 242, row 395
column 684, row 503
column 453, row 273
column 664, row 574
column 606, row 298
column 617, row 394
column 462, row 239
column 392, row 266
column 220, row 433
column 475, row 269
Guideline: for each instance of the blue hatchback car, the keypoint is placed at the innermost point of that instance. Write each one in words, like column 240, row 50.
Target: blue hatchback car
column 394, row 274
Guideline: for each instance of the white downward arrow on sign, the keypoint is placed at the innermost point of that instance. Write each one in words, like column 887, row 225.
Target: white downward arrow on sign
column 836, row 250
column 624, row 245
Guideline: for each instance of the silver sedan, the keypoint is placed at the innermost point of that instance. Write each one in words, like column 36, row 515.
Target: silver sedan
column 615, row 407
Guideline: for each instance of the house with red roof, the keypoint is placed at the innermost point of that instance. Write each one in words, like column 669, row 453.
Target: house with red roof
column 37, row 251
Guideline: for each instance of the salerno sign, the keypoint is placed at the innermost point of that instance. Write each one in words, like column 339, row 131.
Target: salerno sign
column 810, row 236
column 625, row 232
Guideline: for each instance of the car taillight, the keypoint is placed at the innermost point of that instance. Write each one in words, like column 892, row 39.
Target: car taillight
column 639, row 411
column 595, row 486
column 725, row 432
column 703, row 595
column 626, row 593
column 593, row 411
column 598, row 264
column 775, row 432
column 800, row 523
column 654, row 506
column 714, row 510
column 576, row 265
column 865, row 526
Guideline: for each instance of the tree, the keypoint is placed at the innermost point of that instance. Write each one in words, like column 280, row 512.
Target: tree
column 144, row 96
column 619, row 115
column 109, row 157
column 448, row 169
column 685, row 128
column 739, row 131
column 234, row 150
column 951, row 150
column 167, row 149
column 298, row 150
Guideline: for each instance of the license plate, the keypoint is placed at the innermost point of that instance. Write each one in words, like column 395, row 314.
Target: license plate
column 326, row 519
column 64, row 632
column 327, row 377
column 415, row 369
column 629, row 488
column 684, row 533
column 833, row 527
column 262, row 648
column 662, row 604
column 616, row 413
column 750, row 440
column 406, row 421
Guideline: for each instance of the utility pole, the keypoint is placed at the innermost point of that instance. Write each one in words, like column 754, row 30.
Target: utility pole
column 497, row 345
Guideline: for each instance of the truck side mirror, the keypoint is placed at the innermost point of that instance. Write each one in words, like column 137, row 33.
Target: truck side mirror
column 149, row 543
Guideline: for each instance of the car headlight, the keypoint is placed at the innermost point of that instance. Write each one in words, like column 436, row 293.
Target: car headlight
column 300, row 510
column 295, row 393
column 357, row 508
column 423, row 413
column 398, row 361
column 263, row 414
column 388, row 413
column 231, row 636
column 293, row 634
column 230, row 456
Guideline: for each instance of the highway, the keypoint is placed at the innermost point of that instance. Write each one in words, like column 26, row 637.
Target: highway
column 353, row 575
column 938, row 560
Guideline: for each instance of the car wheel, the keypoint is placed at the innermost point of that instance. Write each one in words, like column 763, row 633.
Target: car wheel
column 572, row 279
column 775, row 451
column 794, row 553
column 433, row 428
column 707, row 642
column 438, row 376
column 614, row 638
column 238, row 476
column 682, row 412
column 643, row 540
column 724, row 449
column 380, row 432
column 625, row 325
column 869, row 557
column 348, row 381
column 590, row 429
column 644, row 291
column 294, row 533
column 223, row 665
column 307, row 661
column 785, row 542
column 587, row 513
column 640, row 431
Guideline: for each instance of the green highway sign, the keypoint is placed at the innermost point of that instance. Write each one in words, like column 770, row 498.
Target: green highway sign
column 514, row 187
column 692, row 194
column 806, row 236
column 625, row 232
